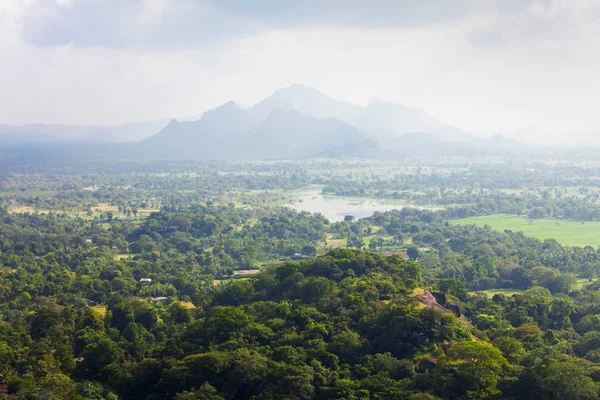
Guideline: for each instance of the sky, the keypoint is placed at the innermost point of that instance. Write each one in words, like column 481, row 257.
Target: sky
column 481, row 65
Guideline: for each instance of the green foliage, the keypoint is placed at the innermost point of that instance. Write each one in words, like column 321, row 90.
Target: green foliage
column 76, row 322
column 478, row 369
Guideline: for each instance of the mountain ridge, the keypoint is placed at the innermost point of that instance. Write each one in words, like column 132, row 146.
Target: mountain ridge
column 297, row 121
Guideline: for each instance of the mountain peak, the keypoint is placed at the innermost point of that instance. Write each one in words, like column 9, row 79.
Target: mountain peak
column 297, row 90
column 376, row 102
column 229, row 106
column 226, row 109
column 299, row 86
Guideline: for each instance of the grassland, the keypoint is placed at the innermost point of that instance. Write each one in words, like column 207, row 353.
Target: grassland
column 570, row 233
column 507, row 292
column 580, row 284
column 583, row 282
column 96, row 211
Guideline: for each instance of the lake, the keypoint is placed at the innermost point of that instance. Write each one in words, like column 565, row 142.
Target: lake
column 335, row 208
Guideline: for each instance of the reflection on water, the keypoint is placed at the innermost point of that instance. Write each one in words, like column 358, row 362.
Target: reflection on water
column 335, row 208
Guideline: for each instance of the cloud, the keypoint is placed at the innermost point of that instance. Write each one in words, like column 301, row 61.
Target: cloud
column 484, row 65
column 539, row 25
column 149, row 24
column 192, row 24
column 197, row 24
column 348, row 13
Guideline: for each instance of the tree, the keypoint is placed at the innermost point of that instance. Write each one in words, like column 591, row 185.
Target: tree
column 223, row 323
column 355, row 242
column 312, row 289
column 375, row 243
column 454, row 287
column 536, row 213
column 568, row 380
column 560, row 313
column 521, row 278
column 590, row 322
column 178, row 313
column 478, row 367
column 347, row 345
column 413, row 253
column 563, row 283
column 511, row 348
column 99, row 355
column 205, row 392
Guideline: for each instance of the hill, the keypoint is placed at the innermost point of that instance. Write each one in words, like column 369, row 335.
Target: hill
column 378, row 118
column 232, row 132
column 298, row 121
column 291, row 134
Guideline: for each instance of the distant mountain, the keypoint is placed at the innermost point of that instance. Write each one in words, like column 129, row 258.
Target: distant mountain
column 210, row 136
column 298, row 121
column 425, row 144
column 311, row 102
column 232, row 132
column 291, row 134
column 501, row 142
column 79, row 133
column 397, row 119
column 366, row 148
column 409, row 142
column 379, row 118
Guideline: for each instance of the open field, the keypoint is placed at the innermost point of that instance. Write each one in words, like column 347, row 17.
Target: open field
column 246, row 272
column 580, row 284
column 583, row 282
column 20, row 209
column 570, row 233
column 96, row 211
column 507, row 292
column 337, row 242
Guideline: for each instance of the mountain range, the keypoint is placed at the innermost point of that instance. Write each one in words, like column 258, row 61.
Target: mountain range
column 294, row 122
column 298, row 121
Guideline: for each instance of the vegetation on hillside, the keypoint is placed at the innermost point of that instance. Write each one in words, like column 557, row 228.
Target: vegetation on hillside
column 211, row 290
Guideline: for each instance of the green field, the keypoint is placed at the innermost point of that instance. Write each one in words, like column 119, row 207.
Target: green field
column 570, row 233
column 580, row 284
column 507, row 292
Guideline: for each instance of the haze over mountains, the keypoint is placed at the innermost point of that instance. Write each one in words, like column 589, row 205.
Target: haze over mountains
column 298, row 121
column 39, row 133
column 294, row 122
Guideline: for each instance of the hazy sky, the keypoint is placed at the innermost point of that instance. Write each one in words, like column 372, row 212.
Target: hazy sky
column 483, row 65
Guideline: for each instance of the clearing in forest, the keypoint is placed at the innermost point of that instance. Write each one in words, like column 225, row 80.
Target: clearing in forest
column 571, row 233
